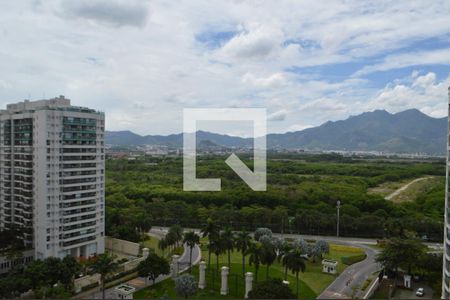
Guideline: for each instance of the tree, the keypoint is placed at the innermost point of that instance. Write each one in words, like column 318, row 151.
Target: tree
column 228, row 243
column 268, row 253
column 162, row 244
column 153, row 266
column 217, row 246
column 242, row 243
column 296, row 262
column 185, row 285
column 68, row 270
column 191, row 239
column 302, row 245
column 401, row 253
column 104, row 264
column 323, row 246
column 36, row 272
column 176, row 233
column 210, row 230
column 255, row 252
column 284, row 249
column 271, row 289
column 259, row 232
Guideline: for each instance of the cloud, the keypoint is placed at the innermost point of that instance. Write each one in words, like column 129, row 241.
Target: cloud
column 114, row 12
column 142, row 62
column 278, row 116
column 422, row 91
column 397, row 61
column 256, row 41
column 273, row 80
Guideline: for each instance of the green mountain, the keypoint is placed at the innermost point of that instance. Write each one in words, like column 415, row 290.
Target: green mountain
column 410, row 131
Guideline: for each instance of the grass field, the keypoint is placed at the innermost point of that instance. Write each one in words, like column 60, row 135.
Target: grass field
column 388, row 188
column 419, row 187
column 312, row 282
column 152, row 244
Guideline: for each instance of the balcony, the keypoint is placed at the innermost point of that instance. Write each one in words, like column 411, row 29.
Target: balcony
column 78, row 241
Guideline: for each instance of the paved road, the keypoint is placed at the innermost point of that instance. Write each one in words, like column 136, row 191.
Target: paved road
column 141, row 282
column 348, row 284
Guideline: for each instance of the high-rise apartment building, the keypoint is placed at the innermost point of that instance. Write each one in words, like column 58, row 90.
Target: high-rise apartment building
column 52, row 176
column 446, row 262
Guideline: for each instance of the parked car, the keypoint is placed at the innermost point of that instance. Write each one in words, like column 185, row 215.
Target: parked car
column 420, row 292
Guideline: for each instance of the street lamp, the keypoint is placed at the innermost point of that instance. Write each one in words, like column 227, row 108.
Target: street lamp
column 338, row 206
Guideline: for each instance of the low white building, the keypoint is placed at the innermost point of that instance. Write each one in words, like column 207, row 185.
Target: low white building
column 329, row 266
column 124, row 291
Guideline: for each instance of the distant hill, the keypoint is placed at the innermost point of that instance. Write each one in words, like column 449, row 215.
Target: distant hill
column 410, row 131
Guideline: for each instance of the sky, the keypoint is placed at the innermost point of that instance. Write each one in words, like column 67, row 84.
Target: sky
column 306, row 62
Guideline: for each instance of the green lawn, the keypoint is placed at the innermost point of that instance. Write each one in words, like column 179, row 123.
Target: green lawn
column 152, row 244
column 312, row 282
column 213, row 280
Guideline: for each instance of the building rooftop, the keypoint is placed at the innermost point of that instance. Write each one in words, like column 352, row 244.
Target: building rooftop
column 58, row 103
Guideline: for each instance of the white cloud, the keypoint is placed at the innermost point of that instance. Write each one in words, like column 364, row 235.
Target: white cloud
column 141, row 63
column 423, row 92
column 278, row 116
column 274, row 80
column 256, row 41
column 397, row 61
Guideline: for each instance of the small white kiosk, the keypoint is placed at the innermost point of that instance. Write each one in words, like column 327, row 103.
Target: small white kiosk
column 329, row 266
column 124, row 291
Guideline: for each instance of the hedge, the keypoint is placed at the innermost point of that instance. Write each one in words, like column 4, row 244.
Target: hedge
column 353, row 259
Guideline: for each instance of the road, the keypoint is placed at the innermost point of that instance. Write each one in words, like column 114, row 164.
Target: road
column 348, row 284
column 141, row 282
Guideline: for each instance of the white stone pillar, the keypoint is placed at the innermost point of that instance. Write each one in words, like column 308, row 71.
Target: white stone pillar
column 248, row 283
column 201, row 279
column 407, row 281
column 145, row 252
column 174, row 265
column 224, row 286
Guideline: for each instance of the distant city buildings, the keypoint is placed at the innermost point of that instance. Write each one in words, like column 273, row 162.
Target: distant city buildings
column 52, row 176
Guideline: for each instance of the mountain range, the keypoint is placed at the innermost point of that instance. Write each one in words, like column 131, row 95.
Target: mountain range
column 409, row 131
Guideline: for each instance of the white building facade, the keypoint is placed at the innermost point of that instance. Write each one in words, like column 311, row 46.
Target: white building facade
column 446, row 262
column 52, row 176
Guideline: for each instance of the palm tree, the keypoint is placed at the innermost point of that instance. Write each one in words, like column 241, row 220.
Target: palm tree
column 210, row 230
column 217, row 246
column 176, row 232
column 296, row 262
column 255, row 252
column 228, row 243
column 242, row 243
column 282, row 251
column 191, row 239
column 104, row 265
column 162, row 244
column 269, row 253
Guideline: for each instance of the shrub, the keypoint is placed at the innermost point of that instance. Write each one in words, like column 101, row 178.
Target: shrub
column 350, row 260
column 185, row 285
column 271, row 289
